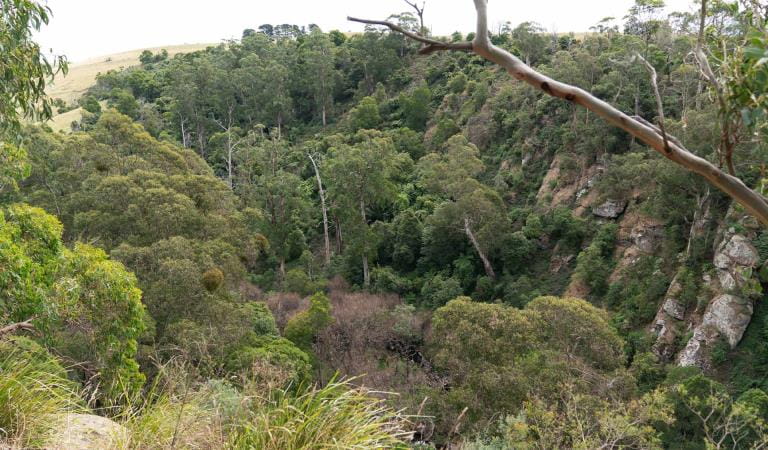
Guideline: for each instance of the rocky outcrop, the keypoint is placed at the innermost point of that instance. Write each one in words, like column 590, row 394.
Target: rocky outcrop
column 88, row 432
column 730, row 308
column 610, row 209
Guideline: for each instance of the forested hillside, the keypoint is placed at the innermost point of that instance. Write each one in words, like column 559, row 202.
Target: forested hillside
column 310, row 239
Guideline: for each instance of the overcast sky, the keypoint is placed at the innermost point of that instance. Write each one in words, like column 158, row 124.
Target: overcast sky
column 83, row 29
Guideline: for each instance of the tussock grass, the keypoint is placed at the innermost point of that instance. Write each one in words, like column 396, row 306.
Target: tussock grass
column 337, row 416
column 32, row 396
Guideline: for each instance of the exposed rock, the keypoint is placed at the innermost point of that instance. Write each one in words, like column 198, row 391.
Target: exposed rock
column 647, row 237
column 730, row 315
column 610, row 209
column 674, row 309
column 727, row 316
column 88, row 432
column 737, row 250
column 668, row 321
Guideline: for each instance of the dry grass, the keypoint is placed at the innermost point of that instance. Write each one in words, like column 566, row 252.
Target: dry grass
column 82, row 75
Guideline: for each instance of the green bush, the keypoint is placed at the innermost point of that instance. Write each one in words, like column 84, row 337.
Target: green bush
column 302, row 328
column 439, row 290
column 296, row 280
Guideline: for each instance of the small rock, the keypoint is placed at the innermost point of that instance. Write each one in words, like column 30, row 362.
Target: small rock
column 88, row 432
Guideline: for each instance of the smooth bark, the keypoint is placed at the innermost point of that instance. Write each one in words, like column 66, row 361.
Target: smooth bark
column 325, row 210
column 486, row 263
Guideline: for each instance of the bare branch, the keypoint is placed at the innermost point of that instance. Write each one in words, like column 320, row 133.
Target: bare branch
column 431, row 46
column 752, row 201
column 659, row 103
column 12, row 328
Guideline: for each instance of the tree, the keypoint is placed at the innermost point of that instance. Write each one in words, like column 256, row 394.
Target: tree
column 361, row 176
column 270, row 182
column 317, row 52
column 652, row 135
column 471, row 207
column 25, row 69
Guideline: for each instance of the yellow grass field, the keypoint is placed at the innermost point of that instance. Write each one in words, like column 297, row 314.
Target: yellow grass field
column 82, row 75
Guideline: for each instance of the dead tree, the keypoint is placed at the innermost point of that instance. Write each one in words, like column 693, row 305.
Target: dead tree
column 652, row 136
column 420, row 13
column 325, row 211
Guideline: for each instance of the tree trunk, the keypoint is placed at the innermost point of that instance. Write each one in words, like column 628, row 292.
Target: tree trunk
column 282, row 270
column 486, row 264
column 339, row 237
column 322, row 206
column 366, row 274
column 325, row 121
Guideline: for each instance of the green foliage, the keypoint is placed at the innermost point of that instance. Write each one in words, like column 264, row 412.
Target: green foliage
column 25, row 68
column 416, row 108
column 439, row 290
column 499, row 355
column 365, row 116
column 213, row 279
column 88, row 307
column 304, row 326
column 296, row 280
column 595, row 263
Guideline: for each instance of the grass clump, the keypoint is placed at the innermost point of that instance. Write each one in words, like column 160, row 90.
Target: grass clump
column 336, row 416
column 34, row 391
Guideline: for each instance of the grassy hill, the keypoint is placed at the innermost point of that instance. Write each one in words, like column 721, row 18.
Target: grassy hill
column 82, row 75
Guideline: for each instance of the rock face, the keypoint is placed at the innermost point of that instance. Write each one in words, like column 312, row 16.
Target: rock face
column 610, row 209
column 88, row 432
column 730, row 310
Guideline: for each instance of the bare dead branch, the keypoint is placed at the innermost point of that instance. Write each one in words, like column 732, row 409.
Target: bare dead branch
column 431, row 45
column 14, row 327
column 419, row 12
column 659, row 103
column 752, row 201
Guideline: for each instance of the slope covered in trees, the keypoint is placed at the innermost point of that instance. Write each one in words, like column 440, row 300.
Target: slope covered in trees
column 223, row 229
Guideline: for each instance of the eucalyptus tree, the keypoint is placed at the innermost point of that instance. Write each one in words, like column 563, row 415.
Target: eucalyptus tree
column 469, row 206
column 361, row 174
column 317, row 52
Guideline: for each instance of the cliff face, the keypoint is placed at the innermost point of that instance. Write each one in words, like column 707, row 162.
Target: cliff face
column 687, row 327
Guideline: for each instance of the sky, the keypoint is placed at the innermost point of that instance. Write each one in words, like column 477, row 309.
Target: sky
column 83, row 29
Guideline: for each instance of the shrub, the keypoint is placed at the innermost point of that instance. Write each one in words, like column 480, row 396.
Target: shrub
column 296, row 280
column 213, row 279
column 302, row 328
column 437, row 291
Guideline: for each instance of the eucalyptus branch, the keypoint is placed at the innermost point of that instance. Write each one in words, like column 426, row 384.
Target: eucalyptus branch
column 752, row 201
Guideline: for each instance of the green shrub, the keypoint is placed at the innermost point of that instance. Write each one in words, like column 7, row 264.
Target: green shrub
column 213, row 279
column 302, row 328
column 296, row 280
column 438, row 291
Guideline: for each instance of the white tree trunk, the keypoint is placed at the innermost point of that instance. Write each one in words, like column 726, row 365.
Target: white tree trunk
column 486, row 264
column 325, row 211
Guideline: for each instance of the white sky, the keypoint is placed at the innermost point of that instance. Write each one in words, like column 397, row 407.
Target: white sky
column 83, row 29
